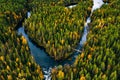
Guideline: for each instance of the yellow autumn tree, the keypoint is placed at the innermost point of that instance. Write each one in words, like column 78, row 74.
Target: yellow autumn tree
column 82, row 77
column 60, row 75
column 24, row 41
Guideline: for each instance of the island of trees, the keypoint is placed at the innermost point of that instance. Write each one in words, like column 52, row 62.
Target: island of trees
column 59, row 29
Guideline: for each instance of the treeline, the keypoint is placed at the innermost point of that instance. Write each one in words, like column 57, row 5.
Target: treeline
column 16, row 61
column 101, row 55
column 35, row 3
column 57, row 28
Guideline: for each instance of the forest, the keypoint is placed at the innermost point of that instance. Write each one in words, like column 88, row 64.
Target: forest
column 58, row 29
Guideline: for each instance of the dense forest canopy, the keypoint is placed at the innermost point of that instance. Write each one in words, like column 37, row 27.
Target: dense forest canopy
column 15, row 59
column 59, row 29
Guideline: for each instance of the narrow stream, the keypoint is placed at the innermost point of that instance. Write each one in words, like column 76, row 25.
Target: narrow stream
column 41, row 57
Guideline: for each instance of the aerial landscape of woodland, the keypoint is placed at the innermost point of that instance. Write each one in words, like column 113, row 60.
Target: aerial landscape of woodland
column 59, row 39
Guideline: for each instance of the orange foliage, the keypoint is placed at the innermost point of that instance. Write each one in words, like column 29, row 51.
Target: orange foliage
column 9, row 77
column 24, row 41
column 82, row 78
column 89, row 56
column 60, row 74
column 8, row 68
column 2, row 58
column 17, row 59
column 82, row 55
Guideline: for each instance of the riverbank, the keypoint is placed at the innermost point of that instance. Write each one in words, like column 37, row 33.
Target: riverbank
column 16, row 61
column 58, row 35
column 99, row 59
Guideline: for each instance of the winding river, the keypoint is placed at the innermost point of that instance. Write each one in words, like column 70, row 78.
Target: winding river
column 41, row 57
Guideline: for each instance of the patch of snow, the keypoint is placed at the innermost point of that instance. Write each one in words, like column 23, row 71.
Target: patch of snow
column 71, row 6
column 97, row 4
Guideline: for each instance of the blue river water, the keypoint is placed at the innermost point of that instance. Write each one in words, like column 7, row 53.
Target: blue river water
column 43, row 59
